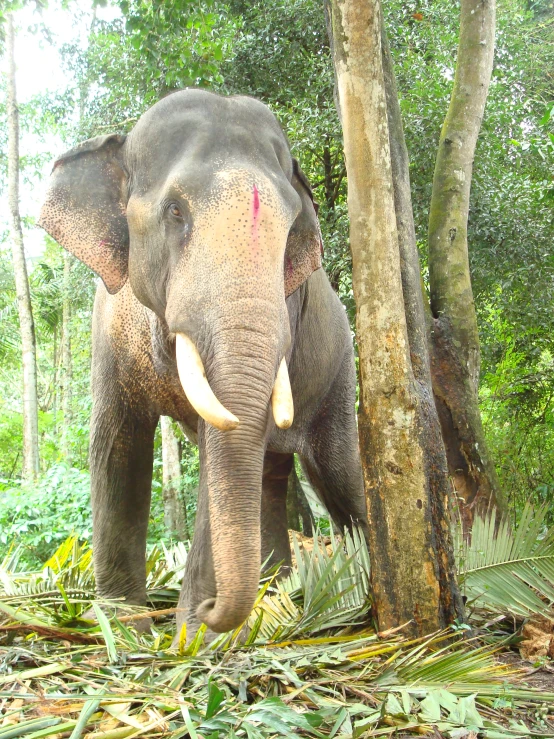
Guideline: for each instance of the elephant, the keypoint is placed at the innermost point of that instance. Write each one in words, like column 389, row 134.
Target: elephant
column 213, row 309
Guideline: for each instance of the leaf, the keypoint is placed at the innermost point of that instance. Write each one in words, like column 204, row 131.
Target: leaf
column 35, row 672
column 188, row 722
column 107, row 632
column 215, row 699
column 88, row 709
column 430, row 708
column 28, row 727
column 509, row 571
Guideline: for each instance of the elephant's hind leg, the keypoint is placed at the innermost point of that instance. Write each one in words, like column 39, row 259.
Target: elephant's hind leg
column 331, row 457
column 275, row 538
column 121, row 458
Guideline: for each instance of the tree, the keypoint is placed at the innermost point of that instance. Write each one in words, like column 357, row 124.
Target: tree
column 454, row 333
column 174, row 507
column 28, row 341
column 299, row 514
column 402, row 454
column 66, row 360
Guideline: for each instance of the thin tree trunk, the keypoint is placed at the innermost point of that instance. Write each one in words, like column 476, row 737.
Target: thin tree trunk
column 55, row 381
column 28, row 341
column 66, row 359
column 299, row 514
column 293, row 508
column 436, row 467
column 174, row 509
column 454, row 334
column 410, row 548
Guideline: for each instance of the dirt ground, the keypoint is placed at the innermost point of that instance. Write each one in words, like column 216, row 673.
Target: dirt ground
column 535, row 677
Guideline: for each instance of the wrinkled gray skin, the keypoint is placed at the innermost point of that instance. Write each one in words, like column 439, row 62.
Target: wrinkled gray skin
column 200, row 222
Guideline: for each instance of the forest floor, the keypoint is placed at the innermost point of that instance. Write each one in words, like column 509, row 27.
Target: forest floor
column 318, row 673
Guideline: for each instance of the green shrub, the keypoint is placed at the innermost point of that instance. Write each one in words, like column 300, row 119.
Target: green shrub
column 42, row 514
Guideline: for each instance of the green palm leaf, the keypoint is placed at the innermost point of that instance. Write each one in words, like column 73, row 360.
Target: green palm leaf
column 510, row 571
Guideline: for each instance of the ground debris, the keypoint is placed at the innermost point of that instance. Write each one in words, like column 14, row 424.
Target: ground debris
column 537, row 639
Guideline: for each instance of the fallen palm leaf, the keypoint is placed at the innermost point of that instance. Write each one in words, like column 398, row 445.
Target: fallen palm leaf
column 301, row 670
column 505, row 570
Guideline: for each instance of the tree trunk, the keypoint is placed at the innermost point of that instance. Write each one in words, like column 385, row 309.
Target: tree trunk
column 454, row 336
column 28, row 341
column 299, row 515
column 55, row 380
column 174, row 509
column 440, row 488
column 410, row 547
column 66, row 360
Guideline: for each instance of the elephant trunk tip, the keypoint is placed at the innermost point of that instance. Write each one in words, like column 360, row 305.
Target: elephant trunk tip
column 220, row 619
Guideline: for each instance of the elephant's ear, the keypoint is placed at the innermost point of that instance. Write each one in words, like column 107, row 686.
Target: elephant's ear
column 304, row 246
column 84, row 208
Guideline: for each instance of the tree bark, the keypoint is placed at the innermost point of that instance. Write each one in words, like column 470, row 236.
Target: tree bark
column 410, row 547
column 174, row 509
column 26, row 323
column 66, row 360
column 454, row 334
column 436, row 467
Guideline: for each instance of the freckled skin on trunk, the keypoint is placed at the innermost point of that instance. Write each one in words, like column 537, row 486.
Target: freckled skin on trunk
column 235, row 465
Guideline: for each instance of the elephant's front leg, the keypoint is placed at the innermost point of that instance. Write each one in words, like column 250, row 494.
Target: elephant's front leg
column 121, row 458
column 275, row 538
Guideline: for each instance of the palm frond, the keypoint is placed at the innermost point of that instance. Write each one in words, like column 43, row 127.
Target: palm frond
column 507, row 570
column 324, row 591
column 300, row 672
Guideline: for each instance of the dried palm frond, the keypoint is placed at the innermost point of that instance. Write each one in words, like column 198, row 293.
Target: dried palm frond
column 300, row 672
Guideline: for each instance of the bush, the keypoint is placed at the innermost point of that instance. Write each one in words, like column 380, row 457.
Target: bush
column 43, row 514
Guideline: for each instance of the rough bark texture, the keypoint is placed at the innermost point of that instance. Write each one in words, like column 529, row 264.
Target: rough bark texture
column 412, row 579
column 440, row 487
column 27, row 327
column 454, row 334
column 174, row 509
column 66, row 360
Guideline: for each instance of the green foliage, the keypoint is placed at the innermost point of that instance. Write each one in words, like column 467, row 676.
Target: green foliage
column 134, row 60
column 39, row 515
column 509, row 571
column 341, row 682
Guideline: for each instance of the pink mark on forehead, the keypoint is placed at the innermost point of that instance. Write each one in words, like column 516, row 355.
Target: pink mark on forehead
column 256, row 200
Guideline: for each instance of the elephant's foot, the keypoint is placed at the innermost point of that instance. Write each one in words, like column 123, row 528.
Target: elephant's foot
column 193, row 623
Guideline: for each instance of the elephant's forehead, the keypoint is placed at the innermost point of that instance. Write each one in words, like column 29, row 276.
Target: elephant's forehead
column 193, row 108
column 196, row 136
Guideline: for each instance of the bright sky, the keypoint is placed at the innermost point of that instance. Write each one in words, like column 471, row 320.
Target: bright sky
column 39, row 70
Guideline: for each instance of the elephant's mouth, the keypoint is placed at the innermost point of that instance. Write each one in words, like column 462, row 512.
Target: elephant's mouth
column 204, row 401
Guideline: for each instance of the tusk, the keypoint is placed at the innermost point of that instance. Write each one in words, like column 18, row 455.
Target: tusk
column 281, row 398
column 197, row 388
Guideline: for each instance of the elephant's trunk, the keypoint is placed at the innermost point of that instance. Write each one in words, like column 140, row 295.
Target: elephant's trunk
column 241, row 372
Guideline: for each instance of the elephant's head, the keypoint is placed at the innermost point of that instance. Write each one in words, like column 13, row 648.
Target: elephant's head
column 202, row 208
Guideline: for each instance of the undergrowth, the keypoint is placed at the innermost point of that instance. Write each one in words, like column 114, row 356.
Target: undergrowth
column 306, row 664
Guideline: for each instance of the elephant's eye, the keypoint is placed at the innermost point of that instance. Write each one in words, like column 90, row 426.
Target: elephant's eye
column 175, row 210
